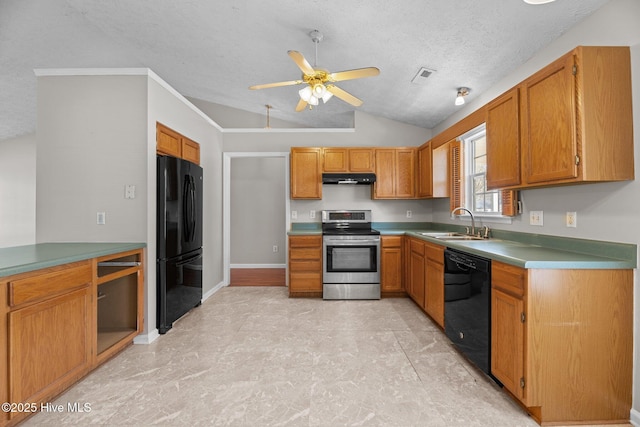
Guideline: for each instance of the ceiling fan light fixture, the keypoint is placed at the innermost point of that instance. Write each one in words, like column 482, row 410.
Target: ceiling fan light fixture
column 462, row 92
column 319, row 90
column 326, row 97
column 538, row 1
column 305, row 93
column 313, row 100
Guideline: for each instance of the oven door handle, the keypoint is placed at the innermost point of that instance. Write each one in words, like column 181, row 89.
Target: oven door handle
column 341, row 242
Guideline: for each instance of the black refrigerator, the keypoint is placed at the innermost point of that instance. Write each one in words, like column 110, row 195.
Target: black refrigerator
column 179, row 245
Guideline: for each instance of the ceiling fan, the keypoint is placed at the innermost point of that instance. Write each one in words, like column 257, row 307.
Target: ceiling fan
column 319, row 82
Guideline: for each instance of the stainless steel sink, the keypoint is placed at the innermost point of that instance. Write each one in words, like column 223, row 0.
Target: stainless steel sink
column 459, row 237
column 444, row 235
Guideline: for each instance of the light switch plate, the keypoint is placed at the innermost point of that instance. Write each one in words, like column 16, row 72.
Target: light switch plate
column 572, row 219
column 101, row 218
column 536, row 218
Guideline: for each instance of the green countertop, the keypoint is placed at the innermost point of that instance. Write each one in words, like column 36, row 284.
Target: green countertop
column 519, row 249
column 22, row 259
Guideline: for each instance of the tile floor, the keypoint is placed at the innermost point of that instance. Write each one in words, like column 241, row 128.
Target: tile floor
column 250, row 356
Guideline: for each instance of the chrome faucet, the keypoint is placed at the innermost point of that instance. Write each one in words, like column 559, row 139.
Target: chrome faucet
column 473, row 222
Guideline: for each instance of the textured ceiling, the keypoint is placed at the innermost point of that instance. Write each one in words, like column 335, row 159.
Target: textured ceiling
column 214, row 50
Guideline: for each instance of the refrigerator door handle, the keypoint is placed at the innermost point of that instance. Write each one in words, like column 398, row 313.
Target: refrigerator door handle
column 186, row 206
column 189, row 260
column 192, row 182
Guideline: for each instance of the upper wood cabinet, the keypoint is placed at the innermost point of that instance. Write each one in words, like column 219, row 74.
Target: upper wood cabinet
column 424, row 187
column 570, row 122
column 171, row 143
column 306, row 173
column 343, row 159
column 441, row 180
column 503, row 140
column 395, row 173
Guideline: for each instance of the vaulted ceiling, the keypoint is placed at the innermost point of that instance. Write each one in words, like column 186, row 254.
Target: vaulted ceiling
column 214, row 50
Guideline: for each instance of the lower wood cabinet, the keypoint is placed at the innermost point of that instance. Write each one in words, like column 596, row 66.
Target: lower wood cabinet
column 434, row 283
column 562, row 342
column 305, row 266
column 391, row 264
column 417, row 271
column 53, row 328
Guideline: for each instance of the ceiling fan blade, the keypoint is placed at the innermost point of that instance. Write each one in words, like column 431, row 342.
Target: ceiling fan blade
column 302, row 104
column 268, row 85
column 353, row 74
column 344, row 95
column 301, row 62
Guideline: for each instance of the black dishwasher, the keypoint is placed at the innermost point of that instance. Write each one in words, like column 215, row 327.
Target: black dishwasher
column 467, row 305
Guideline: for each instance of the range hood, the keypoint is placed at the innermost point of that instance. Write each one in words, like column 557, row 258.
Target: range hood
column 349, row 178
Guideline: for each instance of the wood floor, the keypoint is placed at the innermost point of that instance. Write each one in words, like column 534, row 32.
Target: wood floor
column 257, row 277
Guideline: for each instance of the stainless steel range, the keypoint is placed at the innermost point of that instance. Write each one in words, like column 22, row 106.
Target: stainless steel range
column 351, row 255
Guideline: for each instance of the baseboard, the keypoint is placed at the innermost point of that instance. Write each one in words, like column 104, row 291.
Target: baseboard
column 635, row 417
column 210, row 293
column 147, row 338
column 258, row 266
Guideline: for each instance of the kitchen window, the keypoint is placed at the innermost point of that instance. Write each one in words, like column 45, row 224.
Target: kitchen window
column 479, row 200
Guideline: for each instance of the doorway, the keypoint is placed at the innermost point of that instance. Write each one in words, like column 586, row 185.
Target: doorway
column 255, row 222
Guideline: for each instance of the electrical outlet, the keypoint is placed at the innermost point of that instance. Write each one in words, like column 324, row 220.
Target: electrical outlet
column 409, row 214
column 572, row 219
column 312, row 214
column 129, row 191
column 101, row 218
column 294, row 214
column 536, row 218
column 275, row 248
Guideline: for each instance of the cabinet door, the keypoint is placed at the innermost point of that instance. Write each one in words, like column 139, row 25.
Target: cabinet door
column 405, row 173
column 503, row 141
column 425, row 171
column 434, row 285
column 167, row 141
column 550, row 123
column 417, row 272
column 49, row 346
column 391, row 264
column 507, row 341
column 190, row 150
column 306, row 173
column 441, row 185
column 361, row 160
column 335, row 160
column 384, row 187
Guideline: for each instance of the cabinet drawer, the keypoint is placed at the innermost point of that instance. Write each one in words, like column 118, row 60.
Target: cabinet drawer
column 305, row 281
column 305, row 242
column 435, row 253
column 49, row 282
column 508, row 278
column 391, row 241
column 305, row 253
column 417, row 246
column 311, row 266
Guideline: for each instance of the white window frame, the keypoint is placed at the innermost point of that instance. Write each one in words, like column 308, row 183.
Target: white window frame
column 468, row 153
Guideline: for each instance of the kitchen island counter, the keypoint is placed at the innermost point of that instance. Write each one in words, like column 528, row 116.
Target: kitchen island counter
column 22, row 259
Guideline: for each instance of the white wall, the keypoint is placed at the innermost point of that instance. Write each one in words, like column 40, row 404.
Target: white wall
column 17, row 191
column 606, row 211
column 257, row 210
column 96, row 133
column 91, row 142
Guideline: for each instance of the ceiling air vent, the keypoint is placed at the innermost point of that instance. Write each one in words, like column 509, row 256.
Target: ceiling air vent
column 422, row 75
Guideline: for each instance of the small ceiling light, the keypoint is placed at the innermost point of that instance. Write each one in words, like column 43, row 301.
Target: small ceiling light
column 462, row 92
column 538, row 1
